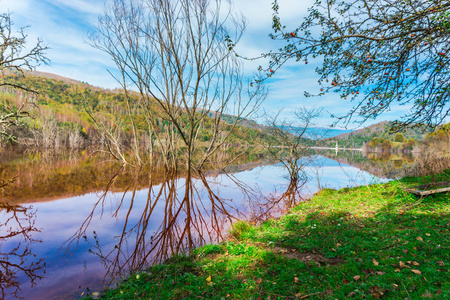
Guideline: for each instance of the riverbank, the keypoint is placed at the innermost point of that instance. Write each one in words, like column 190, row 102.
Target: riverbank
column 371, row 242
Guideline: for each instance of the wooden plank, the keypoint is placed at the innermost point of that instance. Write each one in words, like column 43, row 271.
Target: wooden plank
column 419, row 189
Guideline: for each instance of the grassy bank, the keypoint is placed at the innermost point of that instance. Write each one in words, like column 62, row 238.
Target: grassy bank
column 368, row 242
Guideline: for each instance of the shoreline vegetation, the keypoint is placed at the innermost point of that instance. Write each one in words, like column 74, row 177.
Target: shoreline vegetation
column 372, row 242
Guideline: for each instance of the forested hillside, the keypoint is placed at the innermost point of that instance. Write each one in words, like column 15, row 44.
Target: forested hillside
column 377, row 133
column 63, row 110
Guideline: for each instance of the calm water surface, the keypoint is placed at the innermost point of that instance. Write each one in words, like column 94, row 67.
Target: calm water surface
column 68, row 228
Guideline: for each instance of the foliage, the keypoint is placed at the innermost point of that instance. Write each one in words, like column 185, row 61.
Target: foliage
column 376, row 53
column 367, row 242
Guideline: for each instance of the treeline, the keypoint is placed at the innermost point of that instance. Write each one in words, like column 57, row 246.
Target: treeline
column 70, row 114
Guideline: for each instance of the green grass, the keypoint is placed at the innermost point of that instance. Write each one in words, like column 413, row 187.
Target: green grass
column 368, row 242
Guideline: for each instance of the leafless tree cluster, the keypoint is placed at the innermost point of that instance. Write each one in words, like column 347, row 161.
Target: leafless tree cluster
column 176, row 65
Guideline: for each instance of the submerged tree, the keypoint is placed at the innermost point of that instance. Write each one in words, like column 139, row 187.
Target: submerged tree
column 289, row 144
column 376, row 53
column 15, row 55
column 177, row 67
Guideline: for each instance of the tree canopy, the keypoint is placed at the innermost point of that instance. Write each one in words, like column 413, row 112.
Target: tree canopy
column 375, row 53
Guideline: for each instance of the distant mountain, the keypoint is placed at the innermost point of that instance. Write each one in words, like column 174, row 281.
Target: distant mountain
column 319, row 133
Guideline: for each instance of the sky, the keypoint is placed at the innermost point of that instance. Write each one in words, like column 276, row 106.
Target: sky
column 65, row 25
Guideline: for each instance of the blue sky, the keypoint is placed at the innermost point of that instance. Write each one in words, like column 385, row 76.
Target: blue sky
column 64, row 25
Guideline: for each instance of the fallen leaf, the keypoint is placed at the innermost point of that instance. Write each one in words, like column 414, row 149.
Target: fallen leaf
column 427, row 234
column 298, row 295
column 338, row 245
column 377, row 292
column 379, row 272
column 427, row 295
column 259, row 298
column 351, row 294
column 208, row 279
column 440, row 262
column 357, row 277
column 416, row 272
column 296, row 279
column 420, row 239
column 401, row 264
column 345, row 281
column 375, row 262
column 397, row 270
column 405, row 251
column 438, row 292
column 395, row 286
column 415, row 263
column 259, row 280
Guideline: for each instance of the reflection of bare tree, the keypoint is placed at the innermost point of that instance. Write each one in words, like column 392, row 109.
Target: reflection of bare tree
column 288, row 146
column 192, row 215
column 18, row 224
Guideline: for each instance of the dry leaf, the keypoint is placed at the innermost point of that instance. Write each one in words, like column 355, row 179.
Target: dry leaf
column 438, row 292
column 357, row 277
column 416, row 272
column 427, row 234
column 375, row 262
column 415, row 263
column 338, row 245
column 296, row 279
column 401, row 264
column 397, row 270
column 427, row 295
column 298, row 295
column 379, row 272
column 259, row 280
column 345, row 281
column 208, row 279
column 405, row 251
column 420, row 239
column 351, row 294
column 377, row 292
column 440, row 262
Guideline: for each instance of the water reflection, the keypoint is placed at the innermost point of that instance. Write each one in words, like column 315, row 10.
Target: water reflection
column 158, row 222
column 18, row 263
column 140, row 217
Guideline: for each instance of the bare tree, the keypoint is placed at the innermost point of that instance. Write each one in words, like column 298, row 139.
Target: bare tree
column 289, row 144
column 177, row 67
column 14, row 56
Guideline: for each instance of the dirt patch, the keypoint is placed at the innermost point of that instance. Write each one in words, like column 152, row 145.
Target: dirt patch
column 305, row 257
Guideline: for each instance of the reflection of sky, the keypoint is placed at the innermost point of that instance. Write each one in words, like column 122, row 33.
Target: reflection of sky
column 60, row 219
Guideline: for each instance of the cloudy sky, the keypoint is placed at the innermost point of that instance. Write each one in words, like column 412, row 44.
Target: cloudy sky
column 64, row 25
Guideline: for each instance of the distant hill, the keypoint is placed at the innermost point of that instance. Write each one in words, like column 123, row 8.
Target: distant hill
column 381, row 130
column 63, row 102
